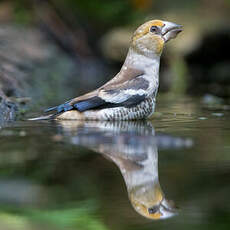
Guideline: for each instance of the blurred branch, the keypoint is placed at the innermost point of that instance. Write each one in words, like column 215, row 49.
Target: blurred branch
column 73, row 41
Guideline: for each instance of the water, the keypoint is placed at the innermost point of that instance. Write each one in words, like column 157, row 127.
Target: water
column 172, row 172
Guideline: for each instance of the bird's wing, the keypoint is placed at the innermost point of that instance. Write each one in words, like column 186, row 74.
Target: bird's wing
column 127, row 93
column 127, row 89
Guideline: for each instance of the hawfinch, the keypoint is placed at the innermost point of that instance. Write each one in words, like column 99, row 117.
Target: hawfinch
column 131, row 94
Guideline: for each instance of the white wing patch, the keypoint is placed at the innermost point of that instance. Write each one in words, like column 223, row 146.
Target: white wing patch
column 121, row 95
column 135, row 92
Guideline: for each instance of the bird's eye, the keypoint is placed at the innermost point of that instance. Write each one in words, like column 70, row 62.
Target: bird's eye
column 153, row 29
column 153, row 209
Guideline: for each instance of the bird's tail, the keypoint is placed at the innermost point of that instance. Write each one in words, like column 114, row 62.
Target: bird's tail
column 46, row 117
column 55, row 111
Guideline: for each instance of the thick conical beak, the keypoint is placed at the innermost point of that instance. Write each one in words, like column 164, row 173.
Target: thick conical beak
column 170, row 30
column 163, row 210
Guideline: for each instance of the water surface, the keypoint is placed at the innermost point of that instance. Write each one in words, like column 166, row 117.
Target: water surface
column 172, row 172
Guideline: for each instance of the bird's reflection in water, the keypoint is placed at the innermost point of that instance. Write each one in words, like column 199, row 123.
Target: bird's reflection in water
column 132, row 146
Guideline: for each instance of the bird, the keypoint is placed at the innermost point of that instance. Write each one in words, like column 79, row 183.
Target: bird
column 131, row 93
column 133, row 147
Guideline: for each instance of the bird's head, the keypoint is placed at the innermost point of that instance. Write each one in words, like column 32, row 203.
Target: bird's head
column 151, row 203
column 149, row 38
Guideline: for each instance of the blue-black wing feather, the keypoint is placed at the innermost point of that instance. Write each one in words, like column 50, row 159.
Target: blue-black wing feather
column 60, row 108
column 91, row 103
column 96, row 103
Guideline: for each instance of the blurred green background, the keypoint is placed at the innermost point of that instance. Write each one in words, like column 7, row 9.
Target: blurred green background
column 54, row 50
column 81, row 44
